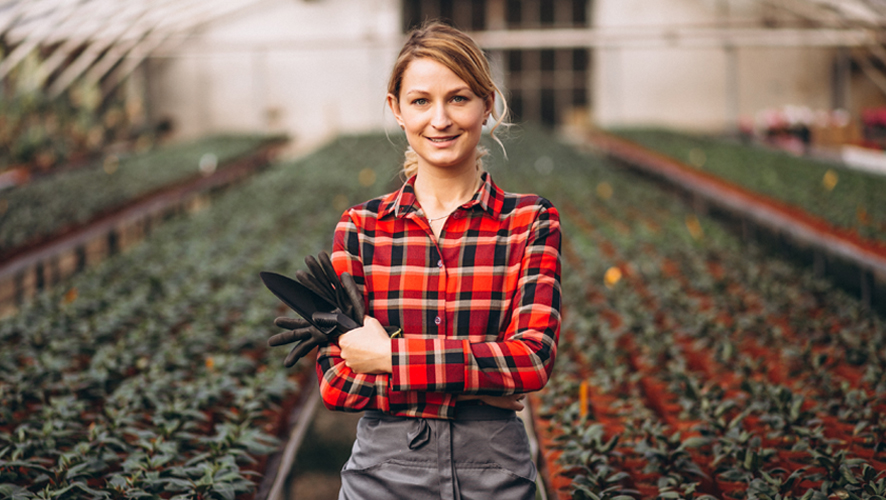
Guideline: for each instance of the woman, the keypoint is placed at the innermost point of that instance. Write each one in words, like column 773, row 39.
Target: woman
column 469, row 273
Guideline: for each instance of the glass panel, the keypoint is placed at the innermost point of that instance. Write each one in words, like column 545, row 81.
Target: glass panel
column 515, row 102
column 546, row 12
column 579, row 59
column 514, row 13
column 515, row 61
column 547, row 60
column 548, row 107
column 411, row 14
column 580, row 12
column 478, row 15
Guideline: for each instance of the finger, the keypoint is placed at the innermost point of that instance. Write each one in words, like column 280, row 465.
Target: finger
column 289, row 337
column 298, row 352
column 356, row 298
column 291, row 323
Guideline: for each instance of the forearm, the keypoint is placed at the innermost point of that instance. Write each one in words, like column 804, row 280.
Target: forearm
column 459, row 367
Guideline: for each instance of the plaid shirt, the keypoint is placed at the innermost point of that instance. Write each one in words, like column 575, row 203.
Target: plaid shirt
column 479, row 307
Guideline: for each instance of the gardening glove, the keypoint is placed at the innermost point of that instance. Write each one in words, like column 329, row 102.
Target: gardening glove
column 302, row 331
column 309, row 336
column 344, row 324
column 322, row 279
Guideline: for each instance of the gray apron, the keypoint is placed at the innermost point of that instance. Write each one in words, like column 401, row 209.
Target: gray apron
column 481, row 455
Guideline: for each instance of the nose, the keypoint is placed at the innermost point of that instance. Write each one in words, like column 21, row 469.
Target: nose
column 440, row 119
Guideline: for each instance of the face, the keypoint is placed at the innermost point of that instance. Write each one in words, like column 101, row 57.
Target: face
column 442, row 117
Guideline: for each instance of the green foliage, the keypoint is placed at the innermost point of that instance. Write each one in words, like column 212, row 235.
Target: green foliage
column 849, row 199
column 66, row 199
column 155, row 380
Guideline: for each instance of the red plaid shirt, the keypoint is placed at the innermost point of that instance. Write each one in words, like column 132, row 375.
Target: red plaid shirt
column 479, row 307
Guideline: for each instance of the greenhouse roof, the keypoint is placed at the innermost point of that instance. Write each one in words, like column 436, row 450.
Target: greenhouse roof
column 90, row 37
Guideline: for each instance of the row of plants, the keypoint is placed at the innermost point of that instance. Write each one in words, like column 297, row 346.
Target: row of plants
column 149, row 376
column 54, row 203
column 692, row 363
column 850, row 200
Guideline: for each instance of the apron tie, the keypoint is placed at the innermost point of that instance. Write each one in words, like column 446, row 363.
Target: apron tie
column 419, row 435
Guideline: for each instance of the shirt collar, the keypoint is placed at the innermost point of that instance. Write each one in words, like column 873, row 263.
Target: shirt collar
column 488, row 197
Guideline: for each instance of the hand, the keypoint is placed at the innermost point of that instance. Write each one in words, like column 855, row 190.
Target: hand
column 301, row 331
column 367, row 349
column 512, row 402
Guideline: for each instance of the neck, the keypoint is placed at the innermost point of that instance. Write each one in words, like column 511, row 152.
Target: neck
column 441, row 191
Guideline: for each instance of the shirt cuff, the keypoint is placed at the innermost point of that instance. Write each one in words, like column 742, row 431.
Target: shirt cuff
column 430, row 365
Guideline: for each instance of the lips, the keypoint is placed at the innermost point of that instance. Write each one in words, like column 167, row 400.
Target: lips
column 440, row 140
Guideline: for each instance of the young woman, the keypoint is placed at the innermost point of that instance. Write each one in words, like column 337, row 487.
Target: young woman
column 470, row 274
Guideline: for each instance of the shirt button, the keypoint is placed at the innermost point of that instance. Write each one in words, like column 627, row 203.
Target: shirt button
column 440, row 263
column 437, row 320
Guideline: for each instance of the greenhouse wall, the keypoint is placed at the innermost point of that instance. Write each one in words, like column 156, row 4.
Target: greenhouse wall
column 703, row 87
column 310, row 69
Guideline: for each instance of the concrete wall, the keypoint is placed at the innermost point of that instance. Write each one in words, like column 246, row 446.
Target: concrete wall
column 311, row 69
column 699, row 88
column 315, row 68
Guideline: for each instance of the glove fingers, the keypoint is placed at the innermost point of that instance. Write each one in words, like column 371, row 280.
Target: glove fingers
column 291, row 323
column 289, row 337
column 355, row 297
column 333, row 278
column 319, row 275
column 326, row 262
column 309, row 281
column 298, row 352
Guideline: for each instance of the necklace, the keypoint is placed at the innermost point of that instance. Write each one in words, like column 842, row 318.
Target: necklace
column 441, row 217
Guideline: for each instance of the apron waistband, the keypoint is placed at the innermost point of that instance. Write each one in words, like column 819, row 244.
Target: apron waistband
column 464, row 413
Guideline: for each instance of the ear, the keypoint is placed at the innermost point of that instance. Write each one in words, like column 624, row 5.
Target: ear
column 394, row 104
column 490, row 104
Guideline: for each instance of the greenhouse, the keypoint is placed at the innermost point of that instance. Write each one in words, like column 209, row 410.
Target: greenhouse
column 697, row 188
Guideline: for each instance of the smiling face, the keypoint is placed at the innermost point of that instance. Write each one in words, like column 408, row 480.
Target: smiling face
column 441, row 115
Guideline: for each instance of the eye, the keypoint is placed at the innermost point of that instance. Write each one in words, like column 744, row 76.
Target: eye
column 460, row 98
column 421, row 101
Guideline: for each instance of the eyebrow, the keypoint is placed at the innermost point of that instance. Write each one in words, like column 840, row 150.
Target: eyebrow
column 454, row 91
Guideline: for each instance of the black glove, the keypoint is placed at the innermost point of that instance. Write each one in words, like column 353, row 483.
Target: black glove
column 301, row 331
column 341, row 291
column 309, row 336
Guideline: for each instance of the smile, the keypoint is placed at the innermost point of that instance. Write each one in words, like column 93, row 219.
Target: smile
column 443, row 139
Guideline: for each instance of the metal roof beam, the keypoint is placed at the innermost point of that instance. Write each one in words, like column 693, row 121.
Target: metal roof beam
column 24, row 48
column 145, row 47
column 104, row 50
column 60, row 55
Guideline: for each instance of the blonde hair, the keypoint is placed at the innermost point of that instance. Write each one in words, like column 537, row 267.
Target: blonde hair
column 461, row 54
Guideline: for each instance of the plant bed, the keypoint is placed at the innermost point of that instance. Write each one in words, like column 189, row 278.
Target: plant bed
column 848, row 199
column 857, row 262
column 150, row 373
column 695, row 305
column 58, row 203
column 51, row 258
